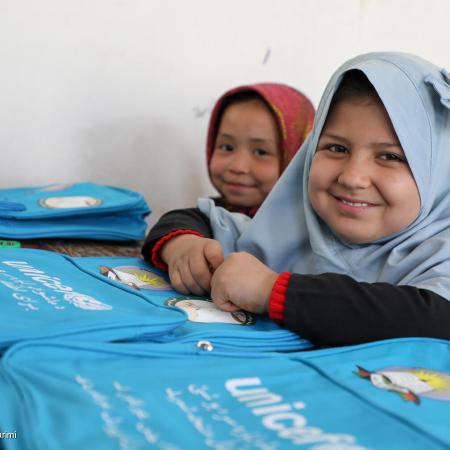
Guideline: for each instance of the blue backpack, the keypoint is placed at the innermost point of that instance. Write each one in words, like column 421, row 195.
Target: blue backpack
column 43, row 294
column 78, row 210
column 385, row 395
column 240, row 330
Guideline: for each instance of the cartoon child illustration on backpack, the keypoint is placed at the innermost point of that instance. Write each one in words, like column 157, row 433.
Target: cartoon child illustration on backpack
column 411, row 383
column 205, row 311
column 135, row 277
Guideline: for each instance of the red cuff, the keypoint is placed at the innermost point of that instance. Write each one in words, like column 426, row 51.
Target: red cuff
column 278, row 298
column 156, row 261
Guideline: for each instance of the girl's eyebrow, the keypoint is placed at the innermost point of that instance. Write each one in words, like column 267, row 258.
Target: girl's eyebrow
column 252, row 139
column 225, row 135
column 386, row 144
column 333, row 136
column 371, row 144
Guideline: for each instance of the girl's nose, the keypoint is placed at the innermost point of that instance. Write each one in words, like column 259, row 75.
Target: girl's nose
column 240, row 162
column 355, row 174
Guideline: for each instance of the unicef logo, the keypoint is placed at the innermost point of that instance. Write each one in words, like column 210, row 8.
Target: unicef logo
column 85, row 302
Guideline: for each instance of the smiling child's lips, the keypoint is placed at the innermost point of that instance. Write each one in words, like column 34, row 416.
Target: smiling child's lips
column 238, row 185
column 353, row 200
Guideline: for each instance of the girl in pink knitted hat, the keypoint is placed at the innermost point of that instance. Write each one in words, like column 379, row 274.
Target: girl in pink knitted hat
column 254, row 131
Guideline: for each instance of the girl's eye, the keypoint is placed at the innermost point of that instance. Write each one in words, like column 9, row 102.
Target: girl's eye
column 336, row 148
column 260, row 152
column 225, row 147
column 392, row 157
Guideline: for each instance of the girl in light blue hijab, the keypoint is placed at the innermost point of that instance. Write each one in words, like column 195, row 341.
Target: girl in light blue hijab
column 353, row 243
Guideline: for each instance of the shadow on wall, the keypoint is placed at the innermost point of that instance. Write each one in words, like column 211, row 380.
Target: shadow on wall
column 148, row 156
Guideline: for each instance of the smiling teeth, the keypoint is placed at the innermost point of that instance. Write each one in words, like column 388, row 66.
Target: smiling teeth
column 346, row 202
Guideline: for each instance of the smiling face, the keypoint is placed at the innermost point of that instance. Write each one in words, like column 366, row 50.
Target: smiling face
column 360, row 182
column 246, row 160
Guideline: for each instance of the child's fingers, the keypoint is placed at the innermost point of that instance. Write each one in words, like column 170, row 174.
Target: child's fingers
column 213, row 254
column 190, row 282
column 219, row 296
column 177, row 282
column 200, row 272
column 224, row 305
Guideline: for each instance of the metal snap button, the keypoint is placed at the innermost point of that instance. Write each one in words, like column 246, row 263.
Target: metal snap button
column 205, row 345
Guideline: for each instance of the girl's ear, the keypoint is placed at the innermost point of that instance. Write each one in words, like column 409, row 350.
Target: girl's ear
column 441, row 85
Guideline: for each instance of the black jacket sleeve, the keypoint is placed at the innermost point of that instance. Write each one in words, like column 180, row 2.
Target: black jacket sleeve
column 178, row 219
column 334, row 310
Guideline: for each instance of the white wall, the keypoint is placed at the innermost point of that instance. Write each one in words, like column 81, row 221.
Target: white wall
column 119, row 91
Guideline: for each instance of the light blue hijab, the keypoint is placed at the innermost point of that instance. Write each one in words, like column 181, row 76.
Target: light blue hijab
column 286, row 233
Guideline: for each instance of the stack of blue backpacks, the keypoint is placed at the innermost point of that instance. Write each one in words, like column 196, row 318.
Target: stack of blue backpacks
column 102, row 353
column 76, row 210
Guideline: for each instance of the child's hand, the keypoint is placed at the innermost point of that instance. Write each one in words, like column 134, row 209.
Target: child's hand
column 242, row 282
column 191, row 260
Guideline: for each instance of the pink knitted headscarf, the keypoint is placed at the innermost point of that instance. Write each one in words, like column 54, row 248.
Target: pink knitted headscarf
column 294, row 114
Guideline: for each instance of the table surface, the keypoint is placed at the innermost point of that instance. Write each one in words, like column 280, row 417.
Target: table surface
column 85, row 247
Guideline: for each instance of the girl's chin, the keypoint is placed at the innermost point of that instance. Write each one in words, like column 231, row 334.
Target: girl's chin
column 240, row 203
column 238, row 198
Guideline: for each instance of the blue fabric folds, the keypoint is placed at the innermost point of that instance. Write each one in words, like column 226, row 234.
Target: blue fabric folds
column 241, row 330
column 441, row 84
column 77, row 210
column 165, row 396
column 45, row 295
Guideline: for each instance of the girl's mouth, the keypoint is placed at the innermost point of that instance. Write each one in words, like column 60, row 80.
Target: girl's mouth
column 353, row 205
column 238, row 186
column 348, row 202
